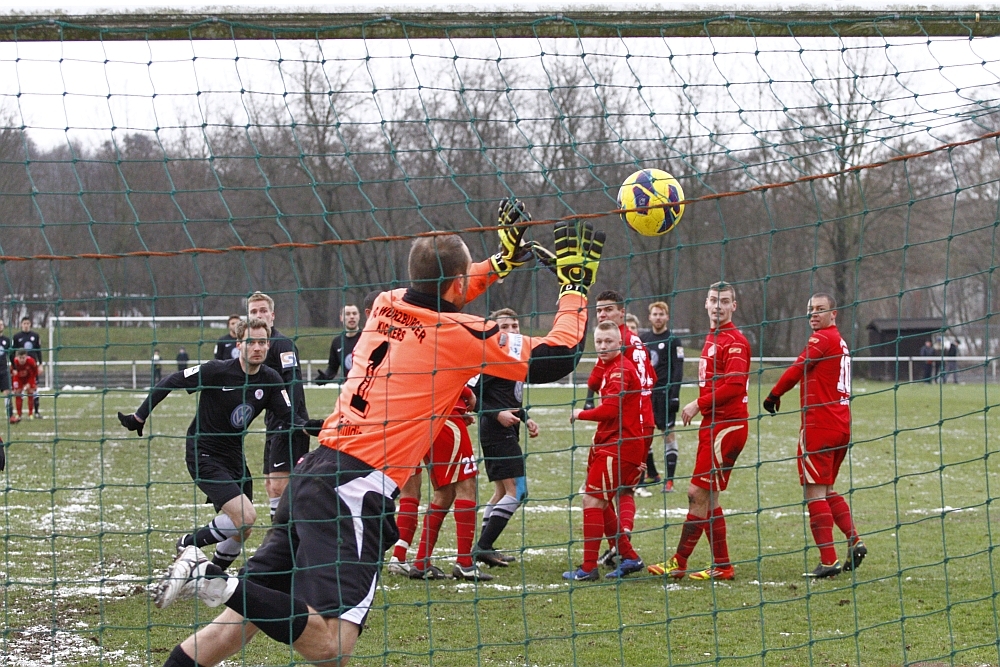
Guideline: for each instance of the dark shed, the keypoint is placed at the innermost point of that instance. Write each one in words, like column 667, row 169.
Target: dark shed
column 898, row 338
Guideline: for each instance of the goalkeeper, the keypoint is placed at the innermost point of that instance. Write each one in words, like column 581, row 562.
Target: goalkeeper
column 312, row 581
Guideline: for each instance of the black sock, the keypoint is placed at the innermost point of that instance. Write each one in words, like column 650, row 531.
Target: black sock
column 491, row 532
column 178, row 658
column 224, row 560
column 36, row 401
column 280, row 616
column 671, row 465
column 651, row 466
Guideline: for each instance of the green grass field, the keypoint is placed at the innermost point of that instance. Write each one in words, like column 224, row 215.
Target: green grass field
column 96, row 343
column 90, row 517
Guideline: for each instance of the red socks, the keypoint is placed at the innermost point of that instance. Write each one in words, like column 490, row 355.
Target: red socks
column 428, row 538
column 717, row 538
column 841, row 512
column 616, row 537
column 821, row 524
column 465, row 530
column 593, row 531
column 406, row 522
column 690, row 534
column 626, row 511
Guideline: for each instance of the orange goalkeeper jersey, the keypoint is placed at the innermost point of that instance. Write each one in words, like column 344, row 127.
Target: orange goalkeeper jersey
column 413, row 359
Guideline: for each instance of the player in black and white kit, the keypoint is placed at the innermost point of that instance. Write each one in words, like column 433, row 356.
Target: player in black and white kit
column 500, row 419
column 342, row 346
column 233, row 393
column 226, row 348
column 5, row 352
column 26, row 339
column 281, row 450
column 667, row 356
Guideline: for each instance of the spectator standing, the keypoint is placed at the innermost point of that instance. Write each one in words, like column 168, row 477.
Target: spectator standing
column 182, row 359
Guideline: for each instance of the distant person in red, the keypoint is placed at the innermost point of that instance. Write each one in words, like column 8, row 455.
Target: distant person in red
column 616, row 459
column 24, row 377
column 824, row 369
column 723, row 374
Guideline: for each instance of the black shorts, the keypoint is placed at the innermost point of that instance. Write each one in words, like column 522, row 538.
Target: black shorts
column 5, row 380
column 280, row 455
column 503, row 459
column 663, row 417
column 312, row 549
column 221, row 480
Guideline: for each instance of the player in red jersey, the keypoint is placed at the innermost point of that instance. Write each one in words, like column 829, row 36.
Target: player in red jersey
column 312, row 581
column 453, row 471
column 616, row 458
column 611, row 308
column 723, row 375
column 824, row 369
column 24, row 371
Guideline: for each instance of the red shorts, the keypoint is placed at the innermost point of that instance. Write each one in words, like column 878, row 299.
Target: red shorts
column 17, row 384
column 450, row 459
column 821, row 451
column 606, row 474
column 719, row 445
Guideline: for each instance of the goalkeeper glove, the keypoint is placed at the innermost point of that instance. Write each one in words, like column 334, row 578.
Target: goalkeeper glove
column 512, row 253
column 772, row 403
column 577, row 256
column 131, row 422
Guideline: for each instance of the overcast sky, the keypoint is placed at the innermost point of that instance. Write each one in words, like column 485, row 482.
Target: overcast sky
column 92, row 87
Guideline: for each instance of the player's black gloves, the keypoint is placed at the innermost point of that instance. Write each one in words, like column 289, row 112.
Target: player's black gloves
column 131, row 423
column 588, row 404
column 577, row 256
column 675, row 404
column 3, row 455
column 313, row 427
column 772, row 403
column 513, row 252
column 322, row 378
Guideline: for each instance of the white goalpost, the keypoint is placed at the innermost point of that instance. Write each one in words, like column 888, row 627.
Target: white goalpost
column 57, row 321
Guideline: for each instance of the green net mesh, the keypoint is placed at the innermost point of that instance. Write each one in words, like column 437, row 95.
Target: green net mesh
column 171, row 178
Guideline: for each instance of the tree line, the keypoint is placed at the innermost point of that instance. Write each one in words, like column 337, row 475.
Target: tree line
column 914, row 238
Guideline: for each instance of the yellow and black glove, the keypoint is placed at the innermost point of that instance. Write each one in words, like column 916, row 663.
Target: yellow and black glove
column 577, row 256
column 513, row 251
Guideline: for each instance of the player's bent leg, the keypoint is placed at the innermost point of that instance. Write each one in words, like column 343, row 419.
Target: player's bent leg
column 275, row 484
column 328, row 642
column 215, row 642
column 242, row 513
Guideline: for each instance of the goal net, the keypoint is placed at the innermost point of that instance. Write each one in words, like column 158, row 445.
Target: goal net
column 167, row 164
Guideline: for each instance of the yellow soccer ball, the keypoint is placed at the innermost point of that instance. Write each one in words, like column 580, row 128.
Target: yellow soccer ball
column 650, row 198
